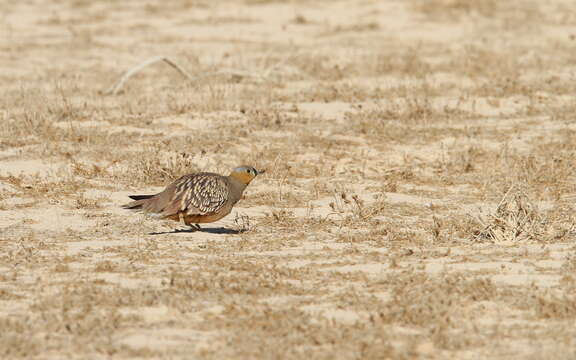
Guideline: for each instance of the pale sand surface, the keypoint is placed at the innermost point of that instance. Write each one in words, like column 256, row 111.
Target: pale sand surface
column 418, row 200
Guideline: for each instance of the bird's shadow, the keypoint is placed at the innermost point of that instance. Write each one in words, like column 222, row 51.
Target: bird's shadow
column 214, row 230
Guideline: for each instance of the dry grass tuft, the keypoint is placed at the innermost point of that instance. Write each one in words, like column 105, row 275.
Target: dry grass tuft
column 516, row 219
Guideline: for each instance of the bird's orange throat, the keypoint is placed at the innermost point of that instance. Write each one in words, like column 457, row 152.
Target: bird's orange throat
column 242, row 177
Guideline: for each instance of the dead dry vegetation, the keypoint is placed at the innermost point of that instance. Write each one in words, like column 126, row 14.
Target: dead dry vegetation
column 418, row 200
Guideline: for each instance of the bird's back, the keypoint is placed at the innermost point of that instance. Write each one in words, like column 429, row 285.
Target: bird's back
column 194, row 194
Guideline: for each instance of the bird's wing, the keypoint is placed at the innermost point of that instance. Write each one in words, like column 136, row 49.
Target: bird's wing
column 197, row 194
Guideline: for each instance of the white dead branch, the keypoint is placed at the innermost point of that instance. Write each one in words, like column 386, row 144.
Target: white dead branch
column 233, row 74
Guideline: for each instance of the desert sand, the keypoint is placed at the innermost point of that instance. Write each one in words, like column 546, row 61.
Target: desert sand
column 418, row 201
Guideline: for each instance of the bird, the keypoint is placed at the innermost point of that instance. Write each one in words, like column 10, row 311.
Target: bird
column 196, row 198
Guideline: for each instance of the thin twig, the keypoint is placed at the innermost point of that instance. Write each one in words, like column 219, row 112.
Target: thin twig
column 505, row 196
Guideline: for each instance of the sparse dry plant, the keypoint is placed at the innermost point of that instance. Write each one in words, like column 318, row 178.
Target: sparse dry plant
column 382, row 125
column 157, row 167
column 516, row 218
column 552, row 306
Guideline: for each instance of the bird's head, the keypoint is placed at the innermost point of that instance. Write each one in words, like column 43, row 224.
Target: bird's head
column 245, row 174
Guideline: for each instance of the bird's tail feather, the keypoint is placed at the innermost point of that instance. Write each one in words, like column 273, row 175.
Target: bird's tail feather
column 138, row 204
column 140, row 197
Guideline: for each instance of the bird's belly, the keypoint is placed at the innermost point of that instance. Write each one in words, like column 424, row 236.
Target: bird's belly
column 199, row 219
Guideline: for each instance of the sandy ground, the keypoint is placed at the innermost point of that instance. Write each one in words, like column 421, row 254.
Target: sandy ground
column 418, row 199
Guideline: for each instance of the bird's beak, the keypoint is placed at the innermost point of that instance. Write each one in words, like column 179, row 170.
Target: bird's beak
column 261, row 171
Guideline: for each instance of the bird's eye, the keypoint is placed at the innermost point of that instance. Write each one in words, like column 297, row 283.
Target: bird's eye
column 248, row 171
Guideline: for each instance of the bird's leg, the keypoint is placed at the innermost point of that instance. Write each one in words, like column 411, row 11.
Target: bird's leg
column 195, row 227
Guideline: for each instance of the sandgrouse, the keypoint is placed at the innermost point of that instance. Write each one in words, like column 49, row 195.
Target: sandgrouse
column 197, row 198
